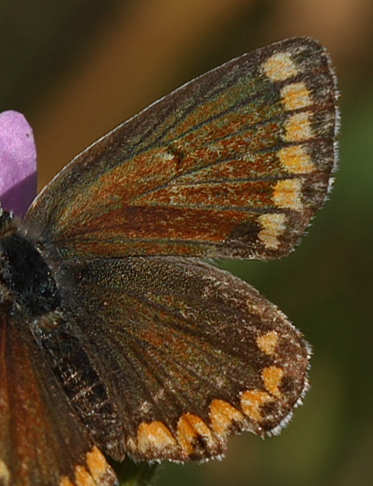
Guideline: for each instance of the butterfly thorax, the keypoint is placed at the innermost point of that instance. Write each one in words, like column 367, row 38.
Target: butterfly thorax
column 25, row 278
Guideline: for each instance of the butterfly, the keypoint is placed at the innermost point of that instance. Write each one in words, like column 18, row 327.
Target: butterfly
column 116, row 337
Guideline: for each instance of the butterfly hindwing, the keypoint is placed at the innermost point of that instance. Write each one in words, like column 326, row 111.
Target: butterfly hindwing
column 233, row 164
column 42, row 442
column 174, row 355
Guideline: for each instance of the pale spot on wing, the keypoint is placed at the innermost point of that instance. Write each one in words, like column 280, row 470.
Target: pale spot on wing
column 267, row 342
column 296, row 160
column 280, row 67
column 295, row 96
column 287, row 194
column 273, row 226
column 298, row 127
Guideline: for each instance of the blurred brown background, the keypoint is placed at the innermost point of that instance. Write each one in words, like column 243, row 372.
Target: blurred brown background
column 77, row 69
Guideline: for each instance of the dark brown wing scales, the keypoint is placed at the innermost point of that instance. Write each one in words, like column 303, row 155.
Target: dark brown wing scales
column 187, row 354
column 115, row 337
column 233, row 164
column 42, row 442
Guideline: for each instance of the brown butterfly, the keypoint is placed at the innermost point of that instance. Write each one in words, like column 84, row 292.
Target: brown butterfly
column 114, row 335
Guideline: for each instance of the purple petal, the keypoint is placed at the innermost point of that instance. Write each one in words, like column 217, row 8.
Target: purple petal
column 17, row 163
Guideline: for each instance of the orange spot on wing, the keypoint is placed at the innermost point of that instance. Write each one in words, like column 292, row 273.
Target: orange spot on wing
column 296, row 160
column 287, row 194
column 295, row 96
column 251, row 401
column 154, row 437
column 189, row 428
column 272, row 376
column 223, row 415
column 97, row 464
column 82, row 477
column 298, row 127
column 65, row 481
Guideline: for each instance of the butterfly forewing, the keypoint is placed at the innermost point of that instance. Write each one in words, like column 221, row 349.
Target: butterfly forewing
column 234, row 163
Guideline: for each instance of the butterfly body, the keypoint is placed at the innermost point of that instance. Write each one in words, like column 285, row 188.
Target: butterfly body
column 115, row 336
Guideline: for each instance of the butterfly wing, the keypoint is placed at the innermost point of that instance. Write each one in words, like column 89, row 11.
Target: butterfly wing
column 233, row 164
column 164, row 357
column 42, row 442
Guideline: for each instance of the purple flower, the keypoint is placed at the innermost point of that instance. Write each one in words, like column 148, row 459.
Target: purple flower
column 17, row 163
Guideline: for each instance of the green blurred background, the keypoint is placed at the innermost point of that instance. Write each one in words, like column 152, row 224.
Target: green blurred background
column 76, row 69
